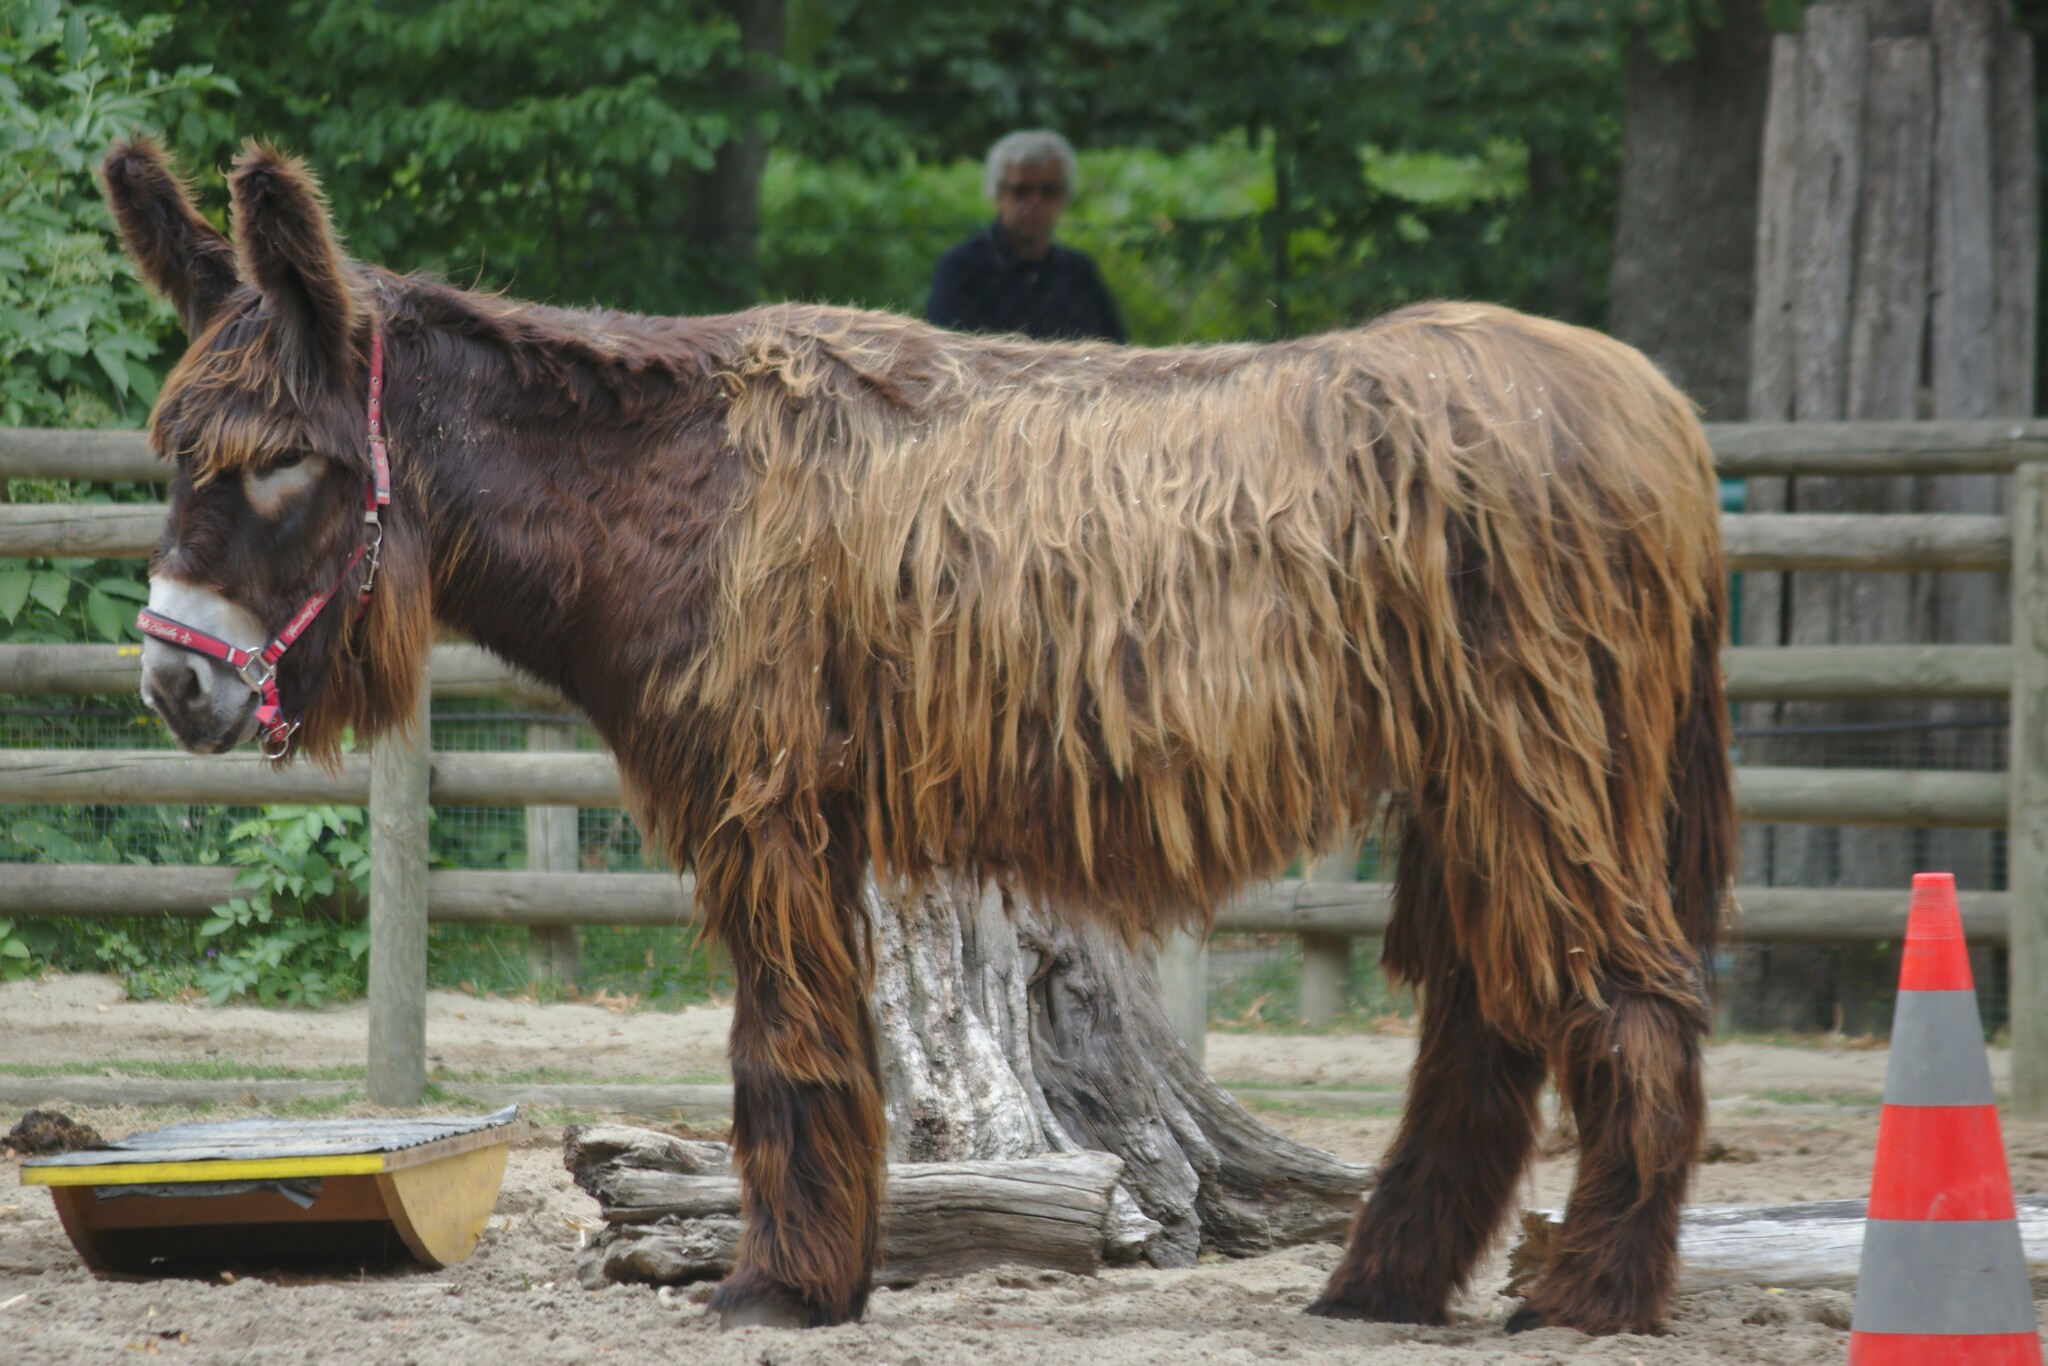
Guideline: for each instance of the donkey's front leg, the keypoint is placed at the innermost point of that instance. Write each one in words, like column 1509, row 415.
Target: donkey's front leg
column 808, row 1126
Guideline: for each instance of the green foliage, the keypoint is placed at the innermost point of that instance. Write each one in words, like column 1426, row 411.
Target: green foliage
column 1322, row 86
column 16, row 960
column 545, row 147
column 78, row 331
column 1410, row 147
column 289, row 939
column 70, row 599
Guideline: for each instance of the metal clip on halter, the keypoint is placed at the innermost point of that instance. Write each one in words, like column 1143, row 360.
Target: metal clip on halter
column 277, row 741
column 376, row 549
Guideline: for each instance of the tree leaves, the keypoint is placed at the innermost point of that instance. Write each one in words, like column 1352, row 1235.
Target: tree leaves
column 14, row 585
column 78, row 331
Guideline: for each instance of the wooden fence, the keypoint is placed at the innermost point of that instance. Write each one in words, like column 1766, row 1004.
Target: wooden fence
column 399, row 783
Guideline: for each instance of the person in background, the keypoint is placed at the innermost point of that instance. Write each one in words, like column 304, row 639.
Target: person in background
column 1013, row 277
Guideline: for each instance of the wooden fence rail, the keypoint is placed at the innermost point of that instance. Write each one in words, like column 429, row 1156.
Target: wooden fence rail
column 1741, row 450
column 1754, row 674
column 1325, row 914
column 156, row 777
column 1288, row 906
column 1844, row 541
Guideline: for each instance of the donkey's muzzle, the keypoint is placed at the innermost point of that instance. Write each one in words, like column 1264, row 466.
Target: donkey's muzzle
column 206, row 705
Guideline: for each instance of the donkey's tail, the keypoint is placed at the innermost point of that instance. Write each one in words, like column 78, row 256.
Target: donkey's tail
column 1700, row 837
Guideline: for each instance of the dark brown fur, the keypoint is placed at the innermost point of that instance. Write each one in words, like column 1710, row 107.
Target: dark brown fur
column 1126, row 629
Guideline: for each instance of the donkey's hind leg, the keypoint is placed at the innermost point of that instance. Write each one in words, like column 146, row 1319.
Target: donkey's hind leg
column 1630, row 1073
column 808, row 1126
column 1466, row 1135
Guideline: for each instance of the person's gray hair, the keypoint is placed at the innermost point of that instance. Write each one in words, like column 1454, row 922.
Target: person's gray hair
column 1023, row 148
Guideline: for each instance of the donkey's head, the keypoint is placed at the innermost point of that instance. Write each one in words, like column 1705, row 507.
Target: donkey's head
column 267, row 421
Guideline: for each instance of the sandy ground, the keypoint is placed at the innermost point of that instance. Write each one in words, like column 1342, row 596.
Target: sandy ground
column 85, row 1019
column 1794, row 1122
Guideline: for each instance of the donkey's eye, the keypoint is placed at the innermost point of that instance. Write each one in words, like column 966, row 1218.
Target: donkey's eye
column 272, row 485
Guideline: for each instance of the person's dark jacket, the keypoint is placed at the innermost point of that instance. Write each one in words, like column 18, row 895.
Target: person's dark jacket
column 979, row 286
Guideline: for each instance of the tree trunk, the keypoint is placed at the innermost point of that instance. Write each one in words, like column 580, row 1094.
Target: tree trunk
column 721, row 210
column 1008, row 1036
column 1685, row 229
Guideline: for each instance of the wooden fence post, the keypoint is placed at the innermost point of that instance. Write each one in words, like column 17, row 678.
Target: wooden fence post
column 2027, row 843
column 399, row 769
column 1326, row 958
column 552, row 951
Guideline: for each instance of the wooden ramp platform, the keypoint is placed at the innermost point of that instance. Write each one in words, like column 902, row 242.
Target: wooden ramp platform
column 282, row 1192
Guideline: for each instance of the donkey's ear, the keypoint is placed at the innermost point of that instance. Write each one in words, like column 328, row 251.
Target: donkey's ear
column 289, row 253
column 182, row 255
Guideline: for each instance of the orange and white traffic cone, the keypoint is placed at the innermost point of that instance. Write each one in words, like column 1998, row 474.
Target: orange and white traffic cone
column 1944, row 1279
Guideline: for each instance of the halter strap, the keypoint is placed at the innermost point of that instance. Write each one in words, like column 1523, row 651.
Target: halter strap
column 258, row 668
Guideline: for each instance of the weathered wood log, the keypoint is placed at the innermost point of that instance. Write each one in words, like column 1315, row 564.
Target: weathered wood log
column 1834, row 66
column 1867, row 672
column 1814, row 1244
column 1955, row 539
column 1033, row 1062
column 1929, row 798
column 673, row 1211
column 1772, row 447
column 1823, row 671
column 1766, row 445
column 460, row 896
column 1006, row 1032
column 1924, row 798
column 159, row 776
column 126, row 531
column 110, row 670
column 1866, row 541
column 34, row 453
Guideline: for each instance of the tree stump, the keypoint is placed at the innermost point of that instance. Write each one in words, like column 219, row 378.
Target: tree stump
column 1017, row 1050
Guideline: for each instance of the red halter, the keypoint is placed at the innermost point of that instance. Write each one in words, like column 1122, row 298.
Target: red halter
column 258, row 668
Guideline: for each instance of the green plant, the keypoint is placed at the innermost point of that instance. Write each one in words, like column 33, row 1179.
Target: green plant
column 290, row 938
column 77, row 329
column 15, row 958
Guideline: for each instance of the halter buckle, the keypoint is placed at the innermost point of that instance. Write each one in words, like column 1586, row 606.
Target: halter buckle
column 257, row 671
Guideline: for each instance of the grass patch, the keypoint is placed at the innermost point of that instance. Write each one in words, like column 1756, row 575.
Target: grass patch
column 558, row 1076
column 213, row 1069
column 1838, row 1098
column 313, row 1107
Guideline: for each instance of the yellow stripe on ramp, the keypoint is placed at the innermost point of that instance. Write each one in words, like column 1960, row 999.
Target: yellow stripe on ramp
column 169, row 1173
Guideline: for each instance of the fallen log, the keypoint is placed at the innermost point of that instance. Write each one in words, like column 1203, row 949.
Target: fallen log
column 1819, row 1243
column 672, row 1211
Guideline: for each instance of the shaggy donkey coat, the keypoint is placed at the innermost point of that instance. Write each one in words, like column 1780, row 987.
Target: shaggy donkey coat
column 1126, row 629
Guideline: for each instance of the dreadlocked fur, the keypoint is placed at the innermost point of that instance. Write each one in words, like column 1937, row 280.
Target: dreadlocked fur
column 1125, row 629
column 1192, row 609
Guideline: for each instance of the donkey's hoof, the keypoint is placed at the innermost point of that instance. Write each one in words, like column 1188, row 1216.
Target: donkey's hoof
column 1593, row 1324
column 765, row 1306
column 1372, row 1308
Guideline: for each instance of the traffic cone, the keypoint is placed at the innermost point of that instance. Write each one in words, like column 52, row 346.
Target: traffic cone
column 1943, row 1278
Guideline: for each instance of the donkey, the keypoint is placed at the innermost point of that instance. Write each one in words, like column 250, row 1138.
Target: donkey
column 1126, row 629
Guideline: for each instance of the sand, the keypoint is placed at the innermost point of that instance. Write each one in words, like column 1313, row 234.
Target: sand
column 1796, row 1122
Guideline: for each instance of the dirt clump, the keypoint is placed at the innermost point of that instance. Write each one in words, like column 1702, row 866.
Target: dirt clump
column 44, row 1133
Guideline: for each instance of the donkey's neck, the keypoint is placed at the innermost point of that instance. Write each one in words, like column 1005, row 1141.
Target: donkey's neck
column 571, row 472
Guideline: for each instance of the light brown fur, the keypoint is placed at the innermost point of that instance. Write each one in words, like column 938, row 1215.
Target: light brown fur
column 1195, row 609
